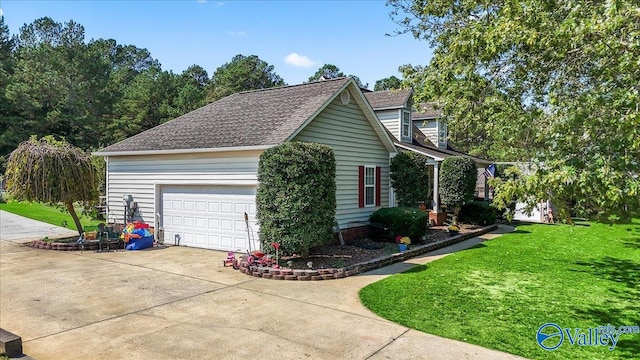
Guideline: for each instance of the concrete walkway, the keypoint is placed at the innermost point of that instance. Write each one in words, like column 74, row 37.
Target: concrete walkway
column 20, row 229
column 181, row 303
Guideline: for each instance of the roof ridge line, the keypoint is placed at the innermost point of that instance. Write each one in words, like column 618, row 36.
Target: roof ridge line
column 291, row 86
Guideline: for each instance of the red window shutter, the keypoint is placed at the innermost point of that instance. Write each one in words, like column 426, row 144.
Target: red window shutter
column 378, row 187
column 361, row 186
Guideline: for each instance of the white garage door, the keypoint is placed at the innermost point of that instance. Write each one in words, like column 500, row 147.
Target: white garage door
column 209, row 217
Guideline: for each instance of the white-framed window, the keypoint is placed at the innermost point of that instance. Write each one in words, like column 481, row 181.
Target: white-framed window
column 406, row 123
column 442, row 132
column 369, row 186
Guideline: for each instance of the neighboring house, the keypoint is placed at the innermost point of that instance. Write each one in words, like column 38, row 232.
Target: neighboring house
column 395, row 110
column 429, row 120
column 198, row 172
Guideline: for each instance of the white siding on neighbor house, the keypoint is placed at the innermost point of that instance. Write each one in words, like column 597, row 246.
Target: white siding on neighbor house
column 144, row 176
column 346, row 129
column 429, row 128
column 391, row 120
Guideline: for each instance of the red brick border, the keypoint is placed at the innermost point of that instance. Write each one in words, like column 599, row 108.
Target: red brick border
column 338, row 273
column 70, row 246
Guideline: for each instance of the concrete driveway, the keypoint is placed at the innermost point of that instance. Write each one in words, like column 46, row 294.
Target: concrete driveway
column 181, row 303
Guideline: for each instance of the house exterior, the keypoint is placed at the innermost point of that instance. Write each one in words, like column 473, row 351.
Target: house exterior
column 392, row 107
column 429, row 120
column 196, row 176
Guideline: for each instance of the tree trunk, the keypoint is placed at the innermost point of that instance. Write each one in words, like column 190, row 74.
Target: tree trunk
column 72, row 211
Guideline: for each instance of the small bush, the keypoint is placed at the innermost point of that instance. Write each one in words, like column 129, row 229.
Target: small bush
column 478, row 213
column 403, row 221
column 296, row 197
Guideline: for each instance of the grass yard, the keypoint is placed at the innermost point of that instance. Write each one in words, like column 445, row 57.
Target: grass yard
column 49, row 214
column 499, row 293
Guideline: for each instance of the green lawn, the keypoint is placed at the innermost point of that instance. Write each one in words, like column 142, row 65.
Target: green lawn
column 49, row 214
column 500, row 292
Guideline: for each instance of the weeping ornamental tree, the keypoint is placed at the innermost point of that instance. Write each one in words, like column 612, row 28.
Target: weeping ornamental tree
column 51, row 171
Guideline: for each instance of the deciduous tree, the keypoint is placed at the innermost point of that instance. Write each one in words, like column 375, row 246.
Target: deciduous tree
column 390, row 83
column 559, row 81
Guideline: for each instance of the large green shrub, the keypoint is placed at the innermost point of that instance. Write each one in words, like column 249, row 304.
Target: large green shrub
column 458, row 176
column 296, row 198
column 478, row 213
column 387, row 223
column 410, row 178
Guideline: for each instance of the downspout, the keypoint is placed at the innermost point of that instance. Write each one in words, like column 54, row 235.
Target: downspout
column 436, row 176
column 106, row 188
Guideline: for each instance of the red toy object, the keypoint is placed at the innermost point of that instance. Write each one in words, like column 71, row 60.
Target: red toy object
column 231, row 260
column 259, row 258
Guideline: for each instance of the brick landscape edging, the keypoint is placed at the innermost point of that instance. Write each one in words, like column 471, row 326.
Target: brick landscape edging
column 338, row 273
column 70, row 246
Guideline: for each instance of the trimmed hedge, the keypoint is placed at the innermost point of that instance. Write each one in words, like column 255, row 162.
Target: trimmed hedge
column 478, row 213
column 296, row 197
column 410, row 178
column 387, row 223
column 457, row 181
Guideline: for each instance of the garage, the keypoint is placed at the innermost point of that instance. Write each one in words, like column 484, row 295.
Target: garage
column 210, row 217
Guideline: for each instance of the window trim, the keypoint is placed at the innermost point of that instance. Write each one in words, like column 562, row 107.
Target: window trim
column 407, row 124
column 372, row 185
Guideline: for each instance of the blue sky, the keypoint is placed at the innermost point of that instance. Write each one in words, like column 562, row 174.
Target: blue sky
column 297, row 37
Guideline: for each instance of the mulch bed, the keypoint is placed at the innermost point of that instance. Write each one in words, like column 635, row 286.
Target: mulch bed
column 338, row 256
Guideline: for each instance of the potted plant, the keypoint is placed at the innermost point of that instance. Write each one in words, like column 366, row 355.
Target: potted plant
column 403, row 242
column 453, row 230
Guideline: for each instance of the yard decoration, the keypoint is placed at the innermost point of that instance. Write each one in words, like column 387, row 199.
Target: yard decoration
column 277, row 247
column 52, row 171
column 403, row 242
column 453, row 230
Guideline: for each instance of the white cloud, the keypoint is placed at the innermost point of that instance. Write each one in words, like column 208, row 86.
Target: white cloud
column 201, row 1
column 236, row 33
column 299, row 60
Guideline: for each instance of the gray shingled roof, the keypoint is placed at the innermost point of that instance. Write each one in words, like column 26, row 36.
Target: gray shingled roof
column 425, row 111
column 420, row 143
column 388, row 99
column 251, row 118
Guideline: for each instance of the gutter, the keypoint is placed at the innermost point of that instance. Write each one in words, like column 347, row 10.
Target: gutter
column 181, row 151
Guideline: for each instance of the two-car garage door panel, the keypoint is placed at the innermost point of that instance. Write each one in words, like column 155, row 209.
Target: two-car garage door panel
column 209, row 217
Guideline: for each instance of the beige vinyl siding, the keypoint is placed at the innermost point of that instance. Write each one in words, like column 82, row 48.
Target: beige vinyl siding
column 391, row 120
column 355, row 143
column 140, row 175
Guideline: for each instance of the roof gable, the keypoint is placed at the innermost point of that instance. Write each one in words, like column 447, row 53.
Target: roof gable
column 246, row 119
